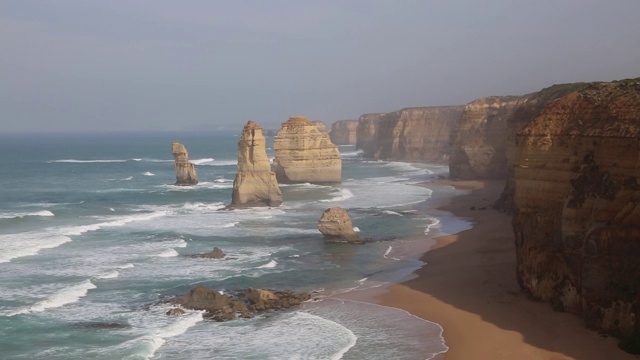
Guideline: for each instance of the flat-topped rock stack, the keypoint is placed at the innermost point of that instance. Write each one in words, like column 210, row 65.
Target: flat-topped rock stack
column 303, row 154
column 255, row 184
column 185, row 171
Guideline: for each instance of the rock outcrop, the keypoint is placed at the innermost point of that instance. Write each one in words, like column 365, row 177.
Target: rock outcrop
column 479, row 139
column 577, row 205
column 528, row 109
column 305, row 154
column 335, row 225
column 243, row 304
column 185, row 171
column 320, row 125
column 413, row 134
column 255, row 184
column 343, row 132
column 367, row 133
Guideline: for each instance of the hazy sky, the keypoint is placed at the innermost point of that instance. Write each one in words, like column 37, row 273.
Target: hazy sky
column 79, row 65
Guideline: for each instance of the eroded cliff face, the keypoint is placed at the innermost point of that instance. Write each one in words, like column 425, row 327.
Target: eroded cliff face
column 479, row 139
column 367, row 132
column 303, row 153
column 577, row 205
column 343, row 132
column 416, row 134
column 528, row 109
column 185, row 171
column 255, row 184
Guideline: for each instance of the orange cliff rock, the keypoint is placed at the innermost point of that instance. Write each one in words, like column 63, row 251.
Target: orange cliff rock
column 367, row 133
column 255, row 184
column 479, row 141
column 303, row 153
column 185, row 171
column 577, row 205
column 413, row 134
column 343, row 132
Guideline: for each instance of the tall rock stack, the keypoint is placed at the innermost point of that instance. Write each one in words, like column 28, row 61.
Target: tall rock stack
column 255, row 184
column 185, row 171
column 478, row 141
column 343, row 132
column 416, row 134
column 577, row 205
column 305, row 154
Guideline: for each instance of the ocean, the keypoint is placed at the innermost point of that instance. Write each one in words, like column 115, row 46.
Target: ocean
column 93, row 235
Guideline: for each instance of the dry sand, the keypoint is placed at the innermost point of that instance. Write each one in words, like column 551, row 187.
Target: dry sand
column 469, row 287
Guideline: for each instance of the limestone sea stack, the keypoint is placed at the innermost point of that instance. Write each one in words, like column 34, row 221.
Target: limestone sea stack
column 303, row 154
column 343, row 132
column 335, row 224
column 255, row 184
column 367, row 133
column 577, row 208
column 185, row 171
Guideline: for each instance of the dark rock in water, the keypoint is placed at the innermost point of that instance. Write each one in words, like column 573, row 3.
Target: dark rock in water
column 216, row 253
column 175, row 312
column 221, row 307
column 101, row 325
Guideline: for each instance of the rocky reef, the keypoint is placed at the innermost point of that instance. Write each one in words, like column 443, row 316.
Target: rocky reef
column 243, row 304
column 185, row 171
column 343, row 132
column 478, row 141
column 367, row 133
column 577, row 205
column 335, row 224
column 527, row 110
column 255, row 184
column 305, row 154
column 413, row 134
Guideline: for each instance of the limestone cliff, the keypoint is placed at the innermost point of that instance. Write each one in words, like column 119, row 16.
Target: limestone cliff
column 367, row 133
column 528, row 109
column 416, row 134
column 335, row 224
column 343, row 132
column 305, row 154
column 320, row 125
column 255, row 184
column 577, row 200
column 185, row 171
column 479, row 139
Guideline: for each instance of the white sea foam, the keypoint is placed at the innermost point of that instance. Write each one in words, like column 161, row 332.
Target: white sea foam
column 108, row 275
column 181, row 244
column 128, row 178
column 270, row 265
column 112, row 209
column 434, row 223
column 168, row 253
column 391, row 212
column 220, row 163
column 85, row 161
column 343, row 194
column 63, row 297
column 126, row 266
column 148, row 173
column 356, row 229
column 205, row 161
column 13, row 215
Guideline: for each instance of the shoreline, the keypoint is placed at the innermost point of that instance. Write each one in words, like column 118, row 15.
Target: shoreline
column 468, row 287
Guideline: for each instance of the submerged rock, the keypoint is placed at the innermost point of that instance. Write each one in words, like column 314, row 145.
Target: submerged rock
column 185, row 171
column 335, row 224
column 216, row 253
column 175, row 312
column 303, row 154
column 255, row 184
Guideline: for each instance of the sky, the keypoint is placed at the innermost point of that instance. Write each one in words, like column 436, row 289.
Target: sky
column 123, row 65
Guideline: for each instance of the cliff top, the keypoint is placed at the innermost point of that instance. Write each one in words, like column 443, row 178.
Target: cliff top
column 251, row 125
column 298, row 120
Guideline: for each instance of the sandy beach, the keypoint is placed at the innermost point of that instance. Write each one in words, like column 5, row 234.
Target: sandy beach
column 469, row 287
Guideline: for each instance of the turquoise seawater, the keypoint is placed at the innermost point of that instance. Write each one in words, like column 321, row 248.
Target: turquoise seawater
column 93, row 234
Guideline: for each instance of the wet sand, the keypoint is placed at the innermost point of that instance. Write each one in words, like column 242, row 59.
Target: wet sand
column 469, row 287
